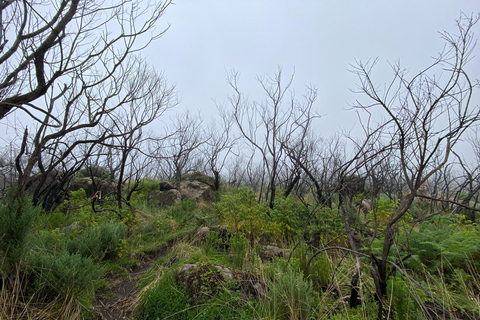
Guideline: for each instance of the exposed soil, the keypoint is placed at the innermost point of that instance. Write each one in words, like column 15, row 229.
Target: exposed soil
column 118, row 300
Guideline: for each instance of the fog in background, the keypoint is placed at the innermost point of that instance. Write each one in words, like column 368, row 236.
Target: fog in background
column 316, row 40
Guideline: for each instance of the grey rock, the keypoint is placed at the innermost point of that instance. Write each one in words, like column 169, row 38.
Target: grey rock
column 270, row 252
column 195, row 191
column 164, row 198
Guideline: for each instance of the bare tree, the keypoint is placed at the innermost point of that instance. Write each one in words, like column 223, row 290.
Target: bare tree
column 182, row 146
column 470, row 186
column 43, row 46
column 109, row 111
column 426, row 115
column 218, row 146
column 128, row 122
column 267, row 126
column 236, row 171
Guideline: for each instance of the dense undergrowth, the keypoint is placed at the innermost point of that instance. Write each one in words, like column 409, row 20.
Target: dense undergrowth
column 52, row 264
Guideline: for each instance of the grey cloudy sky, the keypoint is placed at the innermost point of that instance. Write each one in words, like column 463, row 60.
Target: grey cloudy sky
column 318, row 40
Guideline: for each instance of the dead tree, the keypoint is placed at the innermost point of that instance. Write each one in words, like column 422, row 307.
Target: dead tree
column 86, row 113
column 181, row 148
column 266, row 126
column 43, row 47
column 424, row 117
column 218, row 146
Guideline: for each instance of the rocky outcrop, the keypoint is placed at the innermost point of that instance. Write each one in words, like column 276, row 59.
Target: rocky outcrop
column 195, row 190
column 195, row 187
column 95, row 171
column 203, row 178
column 164, row 198
column 106, row 187
column 270, row 252
column 165, row 186
column 204, row 279
column 201, row 282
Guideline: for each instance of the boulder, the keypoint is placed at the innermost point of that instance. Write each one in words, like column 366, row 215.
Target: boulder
column 164, row 198
column 365, row 205
column 200, row 281
column 82, row 183
column 195, row 191
column 200, row 177
column 95, row 171
column 164, row 186
column 106, row 187
column 201, row 234
column 225, row 272
column 195, row 187
column 251, row 285
column 196, row 279
column 183, row 272
column 270, row 252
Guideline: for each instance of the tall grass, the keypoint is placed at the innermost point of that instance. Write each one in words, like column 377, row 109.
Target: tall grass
column 17, row 216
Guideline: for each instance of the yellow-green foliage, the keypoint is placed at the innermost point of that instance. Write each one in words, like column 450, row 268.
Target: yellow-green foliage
column 79, row 207
column 384, row 210
column 288, row 217
column 242, row 213
column 98, row 242
column 329, row 223
column 238, row 250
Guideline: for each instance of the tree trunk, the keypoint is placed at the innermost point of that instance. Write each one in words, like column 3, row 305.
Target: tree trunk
column 291, row 185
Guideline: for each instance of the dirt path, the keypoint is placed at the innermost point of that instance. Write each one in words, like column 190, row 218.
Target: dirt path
column 118, row 300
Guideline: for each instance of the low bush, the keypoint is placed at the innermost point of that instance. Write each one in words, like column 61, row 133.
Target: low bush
column 17, row 216
column 290, row 296
column 242, row 213
column 63, row 276
column 183, row 212
column 98, row 242
column 226, row 305
column 164, row 301
column 288, row 216
column 444, row 241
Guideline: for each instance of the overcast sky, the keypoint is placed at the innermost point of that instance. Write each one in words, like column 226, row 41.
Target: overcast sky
column 318, row 40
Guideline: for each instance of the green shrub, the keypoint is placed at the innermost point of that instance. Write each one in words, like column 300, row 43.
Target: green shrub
column 77, row 206
column 318, row 271
column 146, row 187
column 183, row 212
column 328, row 224
column 17, row 216
column 47, row 241
column 461, row 247
column 288, row 217
column 242, row 213
column 290, row 296
column 212, row 243
column 164, row 301
column 443, row 240
column 383, row 212
column 98, row 242
column 226, row 305
column 62, row 275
